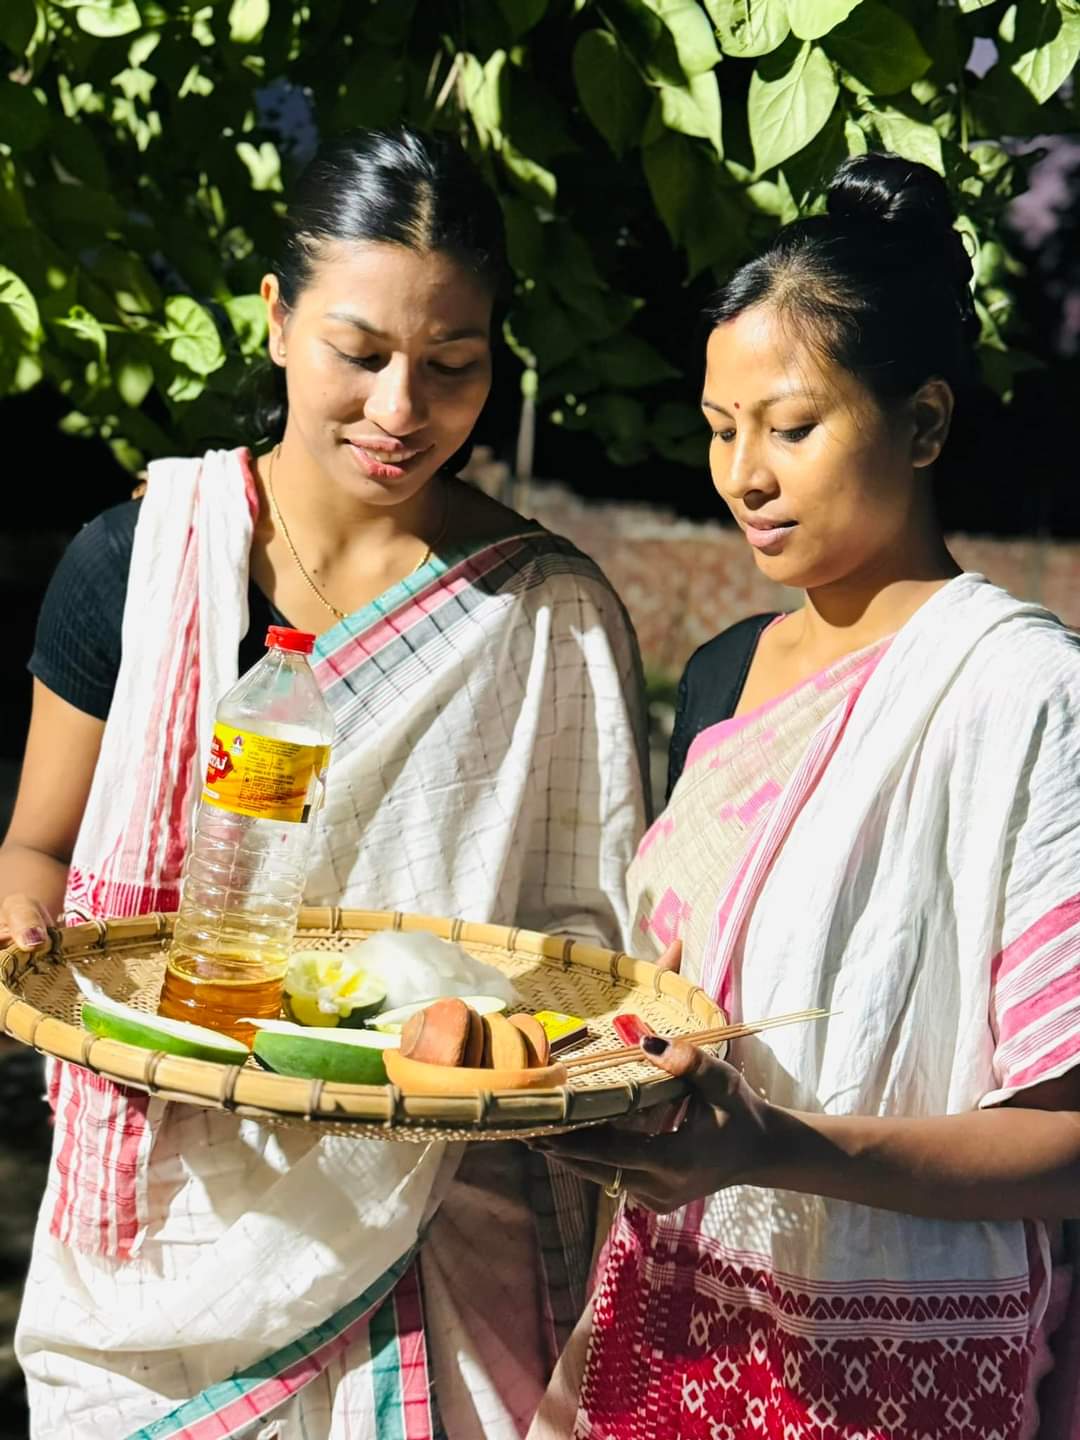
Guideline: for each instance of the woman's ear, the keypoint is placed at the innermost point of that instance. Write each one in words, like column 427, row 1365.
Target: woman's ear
column 931, row 409
column 276, row 315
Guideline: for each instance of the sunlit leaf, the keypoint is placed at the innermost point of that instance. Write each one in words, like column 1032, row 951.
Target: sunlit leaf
column 792, row 94
column 247, row 20
column 689, row 26
column 749, row 27
column 194, row 341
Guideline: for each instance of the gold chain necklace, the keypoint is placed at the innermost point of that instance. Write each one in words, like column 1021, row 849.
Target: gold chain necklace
column 280, row 523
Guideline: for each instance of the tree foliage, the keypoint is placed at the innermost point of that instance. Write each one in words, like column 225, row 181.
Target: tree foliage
column 637, row 146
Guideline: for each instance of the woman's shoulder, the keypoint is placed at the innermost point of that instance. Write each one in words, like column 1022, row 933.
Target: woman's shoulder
column 101, row 550
column 536, row 556
column 77, row 645
column 730, row 647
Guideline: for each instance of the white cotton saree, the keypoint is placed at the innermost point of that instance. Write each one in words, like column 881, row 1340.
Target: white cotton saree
column 900, row 844
column 202, row 1276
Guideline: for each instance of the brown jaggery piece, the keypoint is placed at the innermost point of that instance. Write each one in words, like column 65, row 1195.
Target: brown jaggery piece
column 474, row 1049
column 505, row 1047
column 438, row 1034
column 536, row 1040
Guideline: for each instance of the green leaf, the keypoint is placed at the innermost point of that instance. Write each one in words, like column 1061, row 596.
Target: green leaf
column 792, row 94
column 910, row 138
column 109, row 18
column 647, row 38
column 671, row 170
column 247, row 316
column 968, row 7
column 544, row 331
column 247, row 20
column 133, row 379
column 689, row 26
column 132, row 288
column 194, row 340
column 85, row 327
column 81, row 205
column 531, row 178
column 522, row 15
column 628, row 362
column 809, row 171
column 18, row 21
column 481, row 90
column 693, row 109
column 855, row 136
column 879, row 48
column 24, row 119
column 75, row 149
column 13, row 214
column 810, row 19
column 612, row 92
column 184, row 387
column 524, row 235
column 263, row 164
column 748, row 28
column 20, row 307
column 1044, row 45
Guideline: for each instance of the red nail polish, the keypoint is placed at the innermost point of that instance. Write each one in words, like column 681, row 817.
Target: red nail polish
column 654, row 1044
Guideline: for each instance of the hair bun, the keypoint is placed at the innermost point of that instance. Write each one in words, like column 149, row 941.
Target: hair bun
column 914, row 202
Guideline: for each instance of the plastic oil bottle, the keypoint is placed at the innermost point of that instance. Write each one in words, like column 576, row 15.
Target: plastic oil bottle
column 245, row 872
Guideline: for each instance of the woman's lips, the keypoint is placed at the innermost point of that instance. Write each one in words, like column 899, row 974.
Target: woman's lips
column 382, row 458
column 763, row 537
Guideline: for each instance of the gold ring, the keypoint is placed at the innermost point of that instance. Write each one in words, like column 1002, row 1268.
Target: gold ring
column 614, row 1189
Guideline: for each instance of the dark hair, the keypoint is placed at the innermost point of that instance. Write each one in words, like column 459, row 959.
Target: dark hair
column 879, row 284
column 395, row 187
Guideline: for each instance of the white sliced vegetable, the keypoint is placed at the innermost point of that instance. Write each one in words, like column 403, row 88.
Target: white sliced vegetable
column 391, row 1021
column 352, row 1057
column 116, row 1021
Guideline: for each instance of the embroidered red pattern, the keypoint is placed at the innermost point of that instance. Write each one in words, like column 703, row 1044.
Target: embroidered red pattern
column 690, row 1341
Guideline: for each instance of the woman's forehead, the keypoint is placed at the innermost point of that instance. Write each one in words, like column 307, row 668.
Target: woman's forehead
column 388, row 286
column 761, row 355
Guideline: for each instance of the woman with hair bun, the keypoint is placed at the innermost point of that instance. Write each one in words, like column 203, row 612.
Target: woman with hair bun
column 854, row 1231
column 200, row 1275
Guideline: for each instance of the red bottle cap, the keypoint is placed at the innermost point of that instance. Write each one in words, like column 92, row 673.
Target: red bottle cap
column 284, row 639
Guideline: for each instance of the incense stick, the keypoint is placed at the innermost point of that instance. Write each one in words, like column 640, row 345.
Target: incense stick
column 604, row 1059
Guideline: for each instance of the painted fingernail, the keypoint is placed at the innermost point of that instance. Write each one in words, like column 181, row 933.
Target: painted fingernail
column 29, row 938
column 654, row 1044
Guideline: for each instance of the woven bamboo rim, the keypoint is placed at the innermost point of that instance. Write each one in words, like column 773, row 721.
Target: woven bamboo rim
column 549, row 965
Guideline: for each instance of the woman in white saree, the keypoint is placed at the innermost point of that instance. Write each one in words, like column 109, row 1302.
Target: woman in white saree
column 199, row 1275
column 856, row 1232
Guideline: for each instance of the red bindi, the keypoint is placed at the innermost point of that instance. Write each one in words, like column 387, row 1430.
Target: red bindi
column 736, row 405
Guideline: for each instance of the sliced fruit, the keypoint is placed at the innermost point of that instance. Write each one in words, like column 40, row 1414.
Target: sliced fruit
column 507, row 1046
column 439, row 1034
column 391, row 1021
column 326, row 989
column 117, row 1021
column 413, row 1077
column 536, row 1040
column 351, row 1057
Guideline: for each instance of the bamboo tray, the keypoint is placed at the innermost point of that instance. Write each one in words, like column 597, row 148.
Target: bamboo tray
column 40, row 1006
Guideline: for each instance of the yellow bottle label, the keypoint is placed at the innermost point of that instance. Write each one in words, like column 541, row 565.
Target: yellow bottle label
column 262, row 777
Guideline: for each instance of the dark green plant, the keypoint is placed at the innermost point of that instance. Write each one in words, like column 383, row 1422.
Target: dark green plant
column 142, row 162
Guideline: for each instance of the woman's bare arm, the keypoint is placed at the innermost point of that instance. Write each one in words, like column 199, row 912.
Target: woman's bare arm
column 61, row 753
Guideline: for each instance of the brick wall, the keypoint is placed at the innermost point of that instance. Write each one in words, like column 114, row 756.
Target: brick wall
column 683, row 582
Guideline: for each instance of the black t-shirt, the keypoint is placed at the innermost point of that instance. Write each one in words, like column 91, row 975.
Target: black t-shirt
column 77, row 646
column 711, row 685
